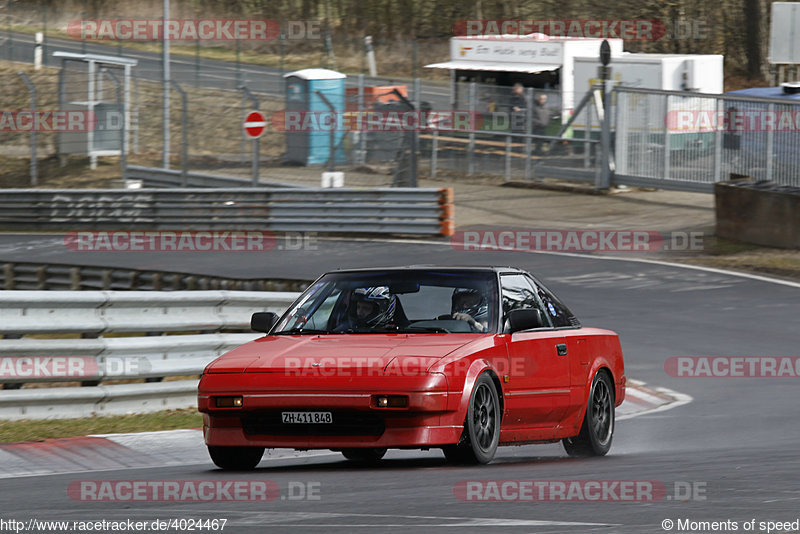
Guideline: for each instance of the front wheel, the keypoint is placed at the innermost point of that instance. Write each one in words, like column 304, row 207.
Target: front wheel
column 364, row 455
column 236, row 458
column 597, row 429
column 482, row 427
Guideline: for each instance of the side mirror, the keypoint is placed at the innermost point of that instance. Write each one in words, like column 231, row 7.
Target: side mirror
column 518, row 320
column 263, row 321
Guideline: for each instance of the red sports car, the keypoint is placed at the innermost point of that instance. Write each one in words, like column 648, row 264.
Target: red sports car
column 458, row 358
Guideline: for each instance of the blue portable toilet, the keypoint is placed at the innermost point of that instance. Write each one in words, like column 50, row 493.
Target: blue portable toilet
column 312, row 145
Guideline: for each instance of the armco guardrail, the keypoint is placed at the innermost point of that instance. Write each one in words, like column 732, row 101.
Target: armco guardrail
column 117, row 357
column 100, row 312
column 26, row 359
column 60, row 403
column 58, row 276
column 335, row 210
column 155, row 177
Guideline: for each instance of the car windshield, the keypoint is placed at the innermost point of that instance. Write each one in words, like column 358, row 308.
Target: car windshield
column 395, row 301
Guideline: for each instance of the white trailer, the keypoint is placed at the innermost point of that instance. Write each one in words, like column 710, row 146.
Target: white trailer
column 667, row 72
column 502, row 60
column 570, row 65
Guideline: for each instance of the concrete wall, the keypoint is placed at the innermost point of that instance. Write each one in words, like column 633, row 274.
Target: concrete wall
column 762, row 216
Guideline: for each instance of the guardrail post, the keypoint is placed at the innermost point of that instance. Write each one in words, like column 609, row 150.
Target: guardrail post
column 34, row 160
column 473, row 92
column 135, row 119
column 434, row 152
column 718, row 141
column 770, row 142
column 10, row 33
column 254, row 171
column 106, row 277
column 44, row 34
column 123, row 161
column 362, row 158
column 587, row 135
column 666, row 140
column 528, row 130
column 507, row 174
column 605, row 141
column 8, row 275
column 75, row 278
column 41, row 277
column 415, row 132
column 184, row 135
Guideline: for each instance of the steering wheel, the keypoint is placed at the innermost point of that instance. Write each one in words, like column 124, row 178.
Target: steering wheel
column 445, row 317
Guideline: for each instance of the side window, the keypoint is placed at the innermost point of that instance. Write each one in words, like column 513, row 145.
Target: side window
column 553, row 308
column 518, row 293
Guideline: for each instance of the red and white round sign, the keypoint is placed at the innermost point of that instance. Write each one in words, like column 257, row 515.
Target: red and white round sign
column 254, row 124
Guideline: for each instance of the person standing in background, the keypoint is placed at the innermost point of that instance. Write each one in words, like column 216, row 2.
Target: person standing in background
column 539, row 121
column 517, row 105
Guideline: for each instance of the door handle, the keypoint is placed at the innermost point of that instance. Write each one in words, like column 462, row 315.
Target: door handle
column 562, row 349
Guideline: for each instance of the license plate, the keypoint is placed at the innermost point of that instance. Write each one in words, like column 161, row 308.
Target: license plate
column 307, row 418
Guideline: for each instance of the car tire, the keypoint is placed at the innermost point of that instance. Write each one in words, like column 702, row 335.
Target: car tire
column 235, row 458
column 481, row 428
column 364, row 455
column 597, row 429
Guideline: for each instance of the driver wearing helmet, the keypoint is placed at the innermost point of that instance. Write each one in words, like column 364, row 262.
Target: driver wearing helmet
column 372, row 307
column 470, row 305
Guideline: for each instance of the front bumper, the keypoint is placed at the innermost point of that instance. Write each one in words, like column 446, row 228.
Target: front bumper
column 357, row 421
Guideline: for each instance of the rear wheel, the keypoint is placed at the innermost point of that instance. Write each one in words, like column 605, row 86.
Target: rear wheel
column 364, row 455
column 239, row 458
column 482, row 427
column 597, row 429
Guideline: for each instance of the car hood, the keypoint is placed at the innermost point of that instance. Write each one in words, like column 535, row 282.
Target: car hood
column 372, row 352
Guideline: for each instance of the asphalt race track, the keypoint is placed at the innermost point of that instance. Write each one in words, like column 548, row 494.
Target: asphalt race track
column 735, row 444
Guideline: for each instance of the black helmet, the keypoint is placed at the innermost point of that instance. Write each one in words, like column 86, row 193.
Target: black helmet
column 478, row 311
column 384, row 307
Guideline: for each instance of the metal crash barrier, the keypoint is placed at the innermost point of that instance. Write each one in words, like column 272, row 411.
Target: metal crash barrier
column 42, row 345
column 337, row 210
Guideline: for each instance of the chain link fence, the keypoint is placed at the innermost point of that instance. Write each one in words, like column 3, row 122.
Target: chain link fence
column 685, row 140
column 520, row 133
column 662, row 139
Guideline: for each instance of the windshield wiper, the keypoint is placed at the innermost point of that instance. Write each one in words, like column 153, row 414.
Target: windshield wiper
column 301, row 331
column 426, row 329
column 370, row 330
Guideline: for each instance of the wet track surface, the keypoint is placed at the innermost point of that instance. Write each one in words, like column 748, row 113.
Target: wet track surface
column 736, row 442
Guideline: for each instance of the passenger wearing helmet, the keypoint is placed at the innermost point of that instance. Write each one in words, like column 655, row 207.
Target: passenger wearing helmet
column 371, row 307
column 470, row 305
